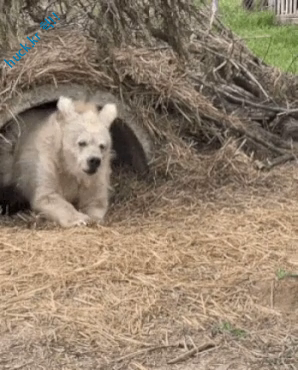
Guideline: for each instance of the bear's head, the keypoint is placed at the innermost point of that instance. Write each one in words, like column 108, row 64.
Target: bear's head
column 86, row 140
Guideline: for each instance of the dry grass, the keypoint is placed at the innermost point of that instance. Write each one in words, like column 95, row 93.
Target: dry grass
column 51, row 62
column 174, row 267
column 186, row 258
column 198, row 101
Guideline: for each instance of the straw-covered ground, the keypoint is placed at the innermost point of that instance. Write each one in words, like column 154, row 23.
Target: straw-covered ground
column 196, row 266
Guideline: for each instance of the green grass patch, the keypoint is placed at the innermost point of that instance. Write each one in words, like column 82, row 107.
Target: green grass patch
column 282, row 274
column 227, row 327
column 276, row 44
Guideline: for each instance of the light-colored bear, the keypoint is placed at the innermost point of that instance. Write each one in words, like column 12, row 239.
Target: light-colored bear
column 62, row 165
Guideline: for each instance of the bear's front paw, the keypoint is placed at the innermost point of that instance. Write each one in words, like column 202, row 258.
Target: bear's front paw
column 80, row 219
column 96, row 214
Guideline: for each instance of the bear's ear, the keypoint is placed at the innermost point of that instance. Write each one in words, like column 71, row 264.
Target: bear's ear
column 108, row 114
column 65, row 106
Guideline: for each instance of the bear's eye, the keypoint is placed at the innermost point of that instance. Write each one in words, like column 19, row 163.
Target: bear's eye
column 82, row 143
column 102, row 146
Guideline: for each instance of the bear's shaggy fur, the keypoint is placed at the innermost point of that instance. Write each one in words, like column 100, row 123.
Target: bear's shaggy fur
column 61, row 162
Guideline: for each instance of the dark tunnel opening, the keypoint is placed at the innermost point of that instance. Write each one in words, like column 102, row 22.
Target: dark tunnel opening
column 129, row 155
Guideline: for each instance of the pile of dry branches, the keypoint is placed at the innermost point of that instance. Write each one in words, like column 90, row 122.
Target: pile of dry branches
column 188, row 79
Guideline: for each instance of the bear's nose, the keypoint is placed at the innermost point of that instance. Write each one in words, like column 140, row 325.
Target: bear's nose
column 94, row 163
